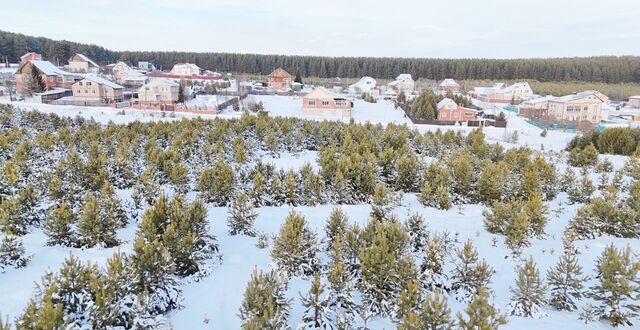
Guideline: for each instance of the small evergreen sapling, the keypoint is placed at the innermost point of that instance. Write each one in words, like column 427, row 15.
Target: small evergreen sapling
column 481, row 314
column 295, row 248
column 241, row 216
column 12, row 252
column 265, row 305
column 528, row 294
column 566, row 282
column 317, row 314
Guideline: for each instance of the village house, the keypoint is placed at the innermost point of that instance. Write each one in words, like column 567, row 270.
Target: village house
column 97, row 89
column 81, row 63
column 449, row 110
column 51, row 75
column 634, row 101
column 159, row 89
column 322, row 99
column 587, row 106
column 366, row 85
column 449, row 85
column 185, row 69
column 499, row 93
column 30, row 57
column 280, row 80
column 128, row 76
column 146, row 66
column 403, row 83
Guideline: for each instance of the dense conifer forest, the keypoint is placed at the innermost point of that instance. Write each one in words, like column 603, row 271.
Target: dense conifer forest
column 606, row 69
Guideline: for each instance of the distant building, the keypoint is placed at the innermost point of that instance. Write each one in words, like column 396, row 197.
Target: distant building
column 126, row 75
column 364, row 85
column 51, row 74
column 94, row 88
column 587, row 106
column 449, row 110
column 30, row 57
column 499, row 93
column 209, row 73
column 403, row 83
column 146, row 66
column 449, row 85
column 186, row 69
column 159, row 89
column 81, row 63
column 279, row 80
column 634, row 101
column 322, row 99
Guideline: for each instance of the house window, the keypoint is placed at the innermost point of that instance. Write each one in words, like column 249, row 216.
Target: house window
column 312, row 102
column 80, row 83
column 325, row 102
column 586, row 108
column 88, row 83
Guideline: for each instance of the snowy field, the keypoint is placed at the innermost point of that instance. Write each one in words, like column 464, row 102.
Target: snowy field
column 213, row 302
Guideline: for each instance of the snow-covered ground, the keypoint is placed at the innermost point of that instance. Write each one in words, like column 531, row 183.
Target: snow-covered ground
column 213, row 302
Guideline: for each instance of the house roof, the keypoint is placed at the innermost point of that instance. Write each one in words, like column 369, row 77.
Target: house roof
column 449, row 82
column 279, row 72
column 576, row 96
column 85, row 59
column 191, row 66
column 102, row 81
column 444, row 102
column 634, row 97
column 27, row 54
column 363, row 81
column 322, row 93
column 498, row 88
column 539, row 99
column 404, row 76
column 46, row 67
column 165, row 81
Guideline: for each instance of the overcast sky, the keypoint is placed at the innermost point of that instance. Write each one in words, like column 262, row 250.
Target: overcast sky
column 403, row 28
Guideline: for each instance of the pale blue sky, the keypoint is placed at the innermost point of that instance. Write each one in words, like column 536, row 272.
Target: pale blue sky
column 406, row 28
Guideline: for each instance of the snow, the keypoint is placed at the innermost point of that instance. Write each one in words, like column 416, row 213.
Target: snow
column 102, row 81
column 217, row 297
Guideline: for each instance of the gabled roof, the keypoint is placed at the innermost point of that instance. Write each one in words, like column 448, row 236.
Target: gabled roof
column 404, row 76
column 279, row 72
column 322, row 93
column 445, row 101
column 449, row 83
column 498, row 88
column 165, row 81
column 85, row 59
column 27, row 54
column 102, row 81
column 577, row 96
column 191, row 66
column 47, row 68
column 363, row 81
column 634, row 97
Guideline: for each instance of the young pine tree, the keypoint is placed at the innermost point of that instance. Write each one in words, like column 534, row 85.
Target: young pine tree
column 481, row 314
column 417, row 230
column 618, row 288
column 336, row 226
column 93, row 230
column 12, row 252
column 432, row 269
column 435, row 313
column 317, row 314
column 341, row 300
column 470, row 273
column 58, row 225
column 295, row 248
column 241, row 216
column 265, row 305
column 566, row 282
column 529, row 292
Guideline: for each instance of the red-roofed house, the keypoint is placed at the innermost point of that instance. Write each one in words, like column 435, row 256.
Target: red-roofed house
column 449, row 110
column 279, row 80
column 30, row 57
column 321, row 99
column 51, row 74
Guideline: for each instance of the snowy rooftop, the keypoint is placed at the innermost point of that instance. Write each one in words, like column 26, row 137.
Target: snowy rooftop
column 102, row 81
column 448, row 83
column 86, row 59
column 444, row 102
column 48, row 68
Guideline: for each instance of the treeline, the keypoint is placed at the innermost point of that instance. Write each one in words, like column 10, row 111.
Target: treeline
column 609, row 69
